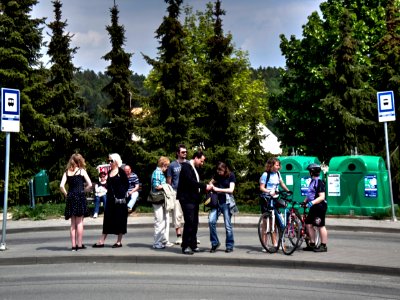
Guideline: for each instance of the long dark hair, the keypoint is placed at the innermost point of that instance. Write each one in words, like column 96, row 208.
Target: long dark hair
column 224, row 166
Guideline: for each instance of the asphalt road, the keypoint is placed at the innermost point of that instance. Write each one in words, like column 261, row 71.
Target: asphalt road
column 167, row 281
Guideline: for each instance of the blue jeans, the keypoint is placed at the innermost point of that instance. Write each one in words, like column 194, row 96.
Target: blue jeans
column 212, row 223
column 97, row 201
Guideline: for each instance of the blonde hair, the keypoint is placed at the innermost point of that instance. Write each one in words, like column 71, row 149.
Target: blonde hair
column 163, row 160
column 76, row 160
column 117, row 158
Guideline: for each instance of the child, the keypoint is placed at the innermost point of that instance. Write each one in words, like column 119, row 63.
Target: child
column 315, row 200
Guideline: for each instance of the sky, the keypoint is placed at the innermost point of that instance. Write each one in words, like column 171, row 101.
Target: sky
column 255, row 26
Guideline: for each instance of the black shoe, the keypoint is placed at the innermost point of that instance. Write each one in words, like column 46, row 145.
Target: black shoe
column 98, row 245
column 116, row 245
column 229, row 250
column 187, row 251
column 321, row 249
column 309, row 248
column 214, row 248
column 81, row 247
column 197, row 249
column 73, row 249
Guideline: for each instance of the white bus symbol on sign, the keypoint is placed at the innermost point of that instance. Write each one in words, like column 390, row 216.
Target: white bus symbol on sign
column 386, row 102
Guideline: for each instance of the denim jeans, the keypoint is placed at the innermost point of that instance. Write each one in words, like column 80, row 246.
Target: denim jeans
column 212, row 223
column 97, row 201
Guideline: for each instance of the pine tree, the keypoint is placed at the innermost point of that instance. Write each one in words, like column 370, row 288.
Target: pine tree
column 120, row 90
column 350, row 100
column 20, row 43
column 171, row 77
column 65, row 106
column 219, row 113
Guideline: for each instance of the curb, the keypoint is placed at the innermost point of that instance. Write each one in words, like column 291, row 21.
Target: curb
column 193, row 260
column 202, row 225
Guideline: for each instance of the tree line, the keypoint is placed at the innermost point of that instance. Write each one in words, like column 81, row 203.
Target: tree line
column 201, row 91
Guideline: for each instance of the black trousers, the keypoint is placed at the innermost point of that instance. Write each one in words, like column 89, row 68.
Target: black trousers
column 191, row 217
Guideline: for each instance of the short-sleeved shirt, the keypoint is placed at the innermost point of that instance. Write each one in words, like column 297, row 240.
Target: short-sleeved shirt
column 157, row 178
column 316, row 186
column 173, row 171
column 133, row 180
column 224, row 182
column 273, row 182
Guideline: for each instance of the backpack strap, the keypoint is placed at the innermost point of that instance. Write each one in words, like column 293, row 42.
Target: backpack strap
column 269, row 175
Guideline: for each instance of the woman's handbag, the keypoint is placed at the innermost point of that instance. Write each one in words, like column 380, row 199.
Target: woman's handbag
column 120, row 200
column 156, row 198
column 211, row 200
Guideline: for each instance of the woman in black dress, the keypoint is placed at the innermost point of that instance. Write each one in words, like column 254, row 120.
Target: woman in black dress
column 75, row 209
column 115, row 214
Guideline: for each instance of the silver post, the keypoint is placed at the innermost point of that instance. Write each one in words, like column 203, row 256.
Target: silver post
column 394, row 219
column 7, row 165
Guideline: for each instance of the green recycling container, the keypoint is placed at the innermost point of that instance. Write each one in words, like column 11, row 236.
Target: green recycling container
column 358, row 185
column 295, row 174
column 41, row 184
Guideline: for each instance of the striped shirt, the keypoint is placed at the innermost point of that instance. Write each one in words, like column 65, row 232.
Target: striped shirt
column 133, row 180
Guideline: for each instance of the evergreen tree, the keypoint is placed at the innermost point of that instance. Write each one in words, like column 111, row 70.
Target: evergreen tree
column 65, row 106
column 172, row 103
column 386, row 62
column 350, row 100
column 21, row 40
column 219, row 115
column 122, row 94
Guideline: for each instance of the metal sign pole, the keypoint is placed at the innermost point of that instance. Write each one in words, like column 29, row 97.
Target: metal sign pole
column 7, row 165
column 394, row 219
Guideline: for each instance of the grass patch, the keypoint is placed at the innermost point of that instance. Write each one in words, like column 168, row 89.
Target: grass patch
column 39, row 212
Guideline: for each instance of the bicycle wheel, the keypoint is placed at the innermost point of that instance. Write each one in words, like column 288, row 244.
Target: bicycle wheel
column 268, row 233
column 317, row 238
column 290, row 237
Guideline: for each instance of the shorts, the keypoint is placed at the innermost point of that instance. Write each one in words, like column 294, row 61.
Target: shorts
column 316, row 215
column 178, row 215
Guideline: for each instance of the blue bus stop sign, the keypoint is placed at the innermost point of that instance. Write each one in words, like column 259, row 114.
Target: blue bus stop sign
column 10, row 110
column 386, row 108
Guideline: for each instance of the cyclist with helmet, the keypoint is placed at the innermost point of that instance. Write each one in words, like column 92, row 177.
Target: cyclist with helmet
column 315, row 200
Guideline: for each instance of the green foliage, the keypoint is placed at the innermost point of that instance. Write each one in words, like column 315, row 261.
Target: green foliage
column 39, row 212
column 328, row 86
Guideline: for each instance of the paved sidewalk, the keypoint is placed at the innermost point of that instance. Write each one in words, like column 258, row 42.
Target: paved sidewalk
column 42, row 242
column 342, row 223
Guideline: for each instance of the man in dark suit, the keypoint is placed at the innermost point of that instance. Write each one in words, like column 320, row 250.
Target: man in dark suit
column 189, row 195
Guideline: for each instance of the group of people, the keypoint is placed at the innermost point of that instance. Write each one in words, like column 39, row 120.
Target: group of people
column 180, row 181
column 187, row 189
column 100, row 191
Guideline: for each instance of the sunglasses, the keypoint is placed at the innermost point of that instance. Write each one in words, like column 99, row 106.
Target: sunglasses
column 183, row 152
column 110, row 161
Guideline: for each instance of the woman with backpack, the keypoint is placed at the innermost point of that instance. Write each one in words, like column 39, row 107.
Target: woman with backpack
column 269, row 186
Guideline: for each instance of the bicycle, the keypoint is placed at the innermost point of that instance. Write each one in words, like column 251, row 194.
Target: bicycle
column 274, row 228
column 296, row 226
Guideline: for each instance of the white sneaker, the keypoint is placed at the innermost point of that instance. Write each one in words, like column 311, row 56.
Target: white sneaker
column 158, row 247
column 198, row 242
column 95, row 216
column 178, row 241
column 168, row 244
